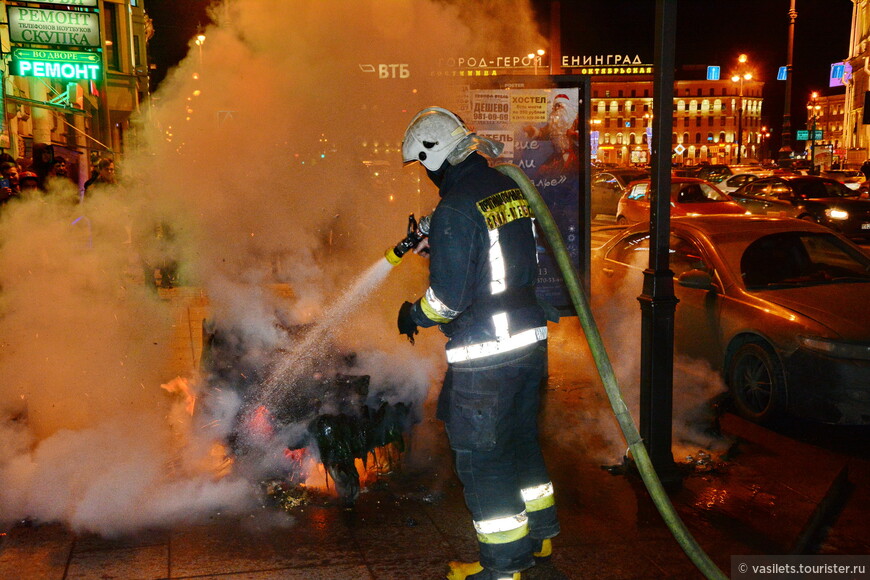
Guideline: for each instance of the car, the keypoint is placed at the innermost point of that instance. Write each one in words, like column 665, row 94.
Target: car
column 777, row 306
column 689, row 196
column 608, row 186
column 808, row 197
column 717, row 173
column 735, row 182
column 851, row 178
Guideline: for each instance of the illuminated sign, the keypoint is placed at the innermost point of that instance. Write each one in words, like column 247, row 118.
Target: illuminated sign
column 56, row 64
column 54, row 27
column 805, row 135
column 70, row 2
column 841, row 73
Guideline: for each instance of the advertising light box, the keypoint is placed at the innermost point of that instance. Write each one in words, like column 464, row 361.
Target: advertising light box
column 54, row 27
column 56, row 64
column 89, row 3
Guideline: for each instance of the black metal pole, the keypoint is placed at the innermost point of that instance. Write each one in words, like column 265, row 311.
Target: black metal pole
column 657, row 303
column 785, row 150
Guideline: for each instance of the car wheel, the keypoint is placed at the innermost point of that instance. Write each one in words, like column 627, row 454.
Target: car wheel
column 622, row 220
column 808, row 218
column 757, row 383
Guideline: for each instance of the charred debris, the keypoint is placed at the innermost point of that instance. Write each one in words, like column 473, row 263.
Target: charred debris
column 324, row 406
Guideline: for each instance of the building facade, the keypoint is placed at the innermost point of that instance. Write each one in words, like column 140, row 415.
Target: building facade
column 711, row 119
column 75, row 74
column 856, row 134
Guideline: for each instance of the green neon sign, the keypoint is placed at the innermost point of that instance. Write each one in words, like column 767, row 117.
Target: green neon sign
column 56, row 64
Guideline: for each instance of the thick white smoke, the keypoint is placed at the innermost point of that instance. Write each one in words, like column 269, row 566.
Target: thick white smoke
column 250, row 174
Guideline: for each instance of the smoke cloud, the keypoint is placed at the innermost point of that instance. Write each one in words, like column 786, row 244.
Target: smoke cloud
column 249, row 175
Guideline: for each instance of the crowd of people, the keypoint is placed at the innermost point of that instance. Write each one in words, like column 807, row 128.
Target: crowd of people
column 46, row 171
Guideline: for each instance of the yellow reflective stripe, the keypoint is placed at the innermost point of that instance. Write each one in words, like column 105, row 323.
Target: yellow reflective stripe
column 430, row 312
column 504, row 537
column 536, row 505
column 538, row 497
column 502, row 530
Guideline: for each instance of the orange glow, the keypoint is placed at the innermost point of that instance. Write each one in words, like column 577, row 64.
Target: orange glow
column 181, row 386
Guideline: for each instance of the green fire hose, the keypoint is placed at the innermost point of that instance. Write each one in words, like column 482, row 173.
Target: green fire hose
column 653, row 484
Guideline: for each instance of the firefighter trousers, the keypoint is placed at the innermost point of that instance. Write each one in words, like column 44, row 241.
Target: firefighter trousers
column 490, row 409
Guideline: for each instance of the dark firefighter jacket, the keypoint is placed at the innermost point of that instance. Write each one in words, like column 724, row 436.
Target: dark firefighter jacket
column 483, row 262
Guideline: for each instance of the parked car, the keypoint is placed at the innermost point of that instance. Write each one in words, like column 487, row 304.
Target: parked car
column 735, row 182
column 608, row 186
column 777, row 305
column 808, row 197
column 689, row 196
column 851, row 178
column 717, row 173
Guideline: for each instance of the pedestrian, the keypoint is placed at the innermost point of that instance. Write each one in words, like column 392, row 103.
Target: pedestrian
column 9, row 186
column 28, row 182
column 865, row 169
column 481, row 293
column 104, row 173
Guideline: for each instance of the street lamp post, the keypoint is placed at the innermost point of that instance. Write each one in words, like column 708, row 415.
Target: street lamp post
column 535, row 57
column 813, row 111
column 740, row 77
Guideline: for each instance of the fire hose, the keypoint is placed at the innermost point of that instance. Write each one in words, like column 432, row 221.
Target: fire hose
column 602, row 362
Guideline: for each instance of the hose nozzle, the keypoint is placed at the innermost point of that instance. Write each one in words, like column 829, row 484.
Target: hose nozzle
column 416, row 233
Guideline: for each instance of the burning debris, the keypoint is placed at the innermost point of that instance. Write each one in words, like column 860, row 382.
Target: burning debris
column 325, row 415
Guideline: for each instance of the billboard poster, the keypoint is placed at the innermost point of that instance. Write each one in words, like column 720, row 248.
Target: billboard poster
column 539, row 128
column 54, row 27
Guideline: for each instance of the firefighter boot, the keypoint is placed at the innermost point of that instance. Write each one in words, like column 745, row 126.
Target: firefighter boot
column 544, row 569
column 542, row 554
column 474, row 571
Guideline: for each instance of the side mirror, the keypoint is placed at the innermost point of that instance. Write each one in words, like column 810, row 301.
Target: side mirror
column 696, row 279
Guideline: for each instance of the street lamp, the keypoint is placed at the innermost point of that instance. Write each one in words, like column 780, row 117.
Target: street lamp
column 740, row 77
column 813, row 113
column 535, row 57
column 199, row 41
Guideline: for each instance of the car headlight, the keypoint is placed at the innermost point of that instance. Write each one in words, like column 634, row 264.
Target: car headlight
column 837, row 348
column 837, row 214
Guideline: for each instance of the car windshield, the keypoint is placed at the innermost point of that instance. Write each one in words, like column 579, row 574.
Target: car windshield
column 817, row 188
column 696, row 193
column 792, row 259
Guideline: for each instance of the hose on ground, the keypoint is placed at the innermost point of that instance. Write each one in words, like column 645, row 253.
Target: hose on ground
column 602, row 362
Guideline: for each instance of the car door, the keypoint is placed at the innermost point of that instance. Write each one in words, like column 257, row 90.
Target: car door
column 605, row 193
column 635, row 202
column 697, row 329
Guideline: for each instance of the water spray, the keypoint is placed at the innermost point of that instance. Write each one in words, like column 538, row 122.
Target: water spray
column 417, row 232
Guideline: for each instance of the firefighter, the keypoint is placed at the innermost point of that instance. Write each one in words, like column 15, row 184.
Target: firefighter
column 481, row 293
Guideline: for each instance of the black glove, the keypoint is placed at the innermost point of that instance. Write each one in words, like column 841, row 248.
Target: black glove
column 406, row 323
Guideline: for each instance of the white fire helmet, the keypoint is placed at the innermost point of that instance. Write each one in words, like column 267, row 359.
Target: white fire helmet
column 435, row 135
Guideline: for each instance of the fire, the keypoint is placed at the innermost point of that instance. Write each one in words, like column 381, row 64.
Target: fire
column 181, row 387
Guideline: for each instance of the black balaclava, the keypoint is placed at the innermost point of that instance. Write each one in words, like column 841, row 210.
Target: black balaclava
column 438, row 176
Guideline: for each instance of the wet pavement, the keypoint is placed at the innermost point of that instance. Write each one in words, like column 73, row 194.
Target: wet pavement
column 760, row 495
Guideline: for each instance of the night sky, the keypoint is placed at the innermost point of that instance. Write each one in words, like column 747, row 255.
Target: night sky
column 709, row 32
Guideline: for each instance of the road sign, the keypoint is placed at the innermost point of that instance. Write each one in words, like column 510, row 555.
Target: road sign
column 782, row 73
column 804, row 135
column 713, row 73
column 679, row 149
